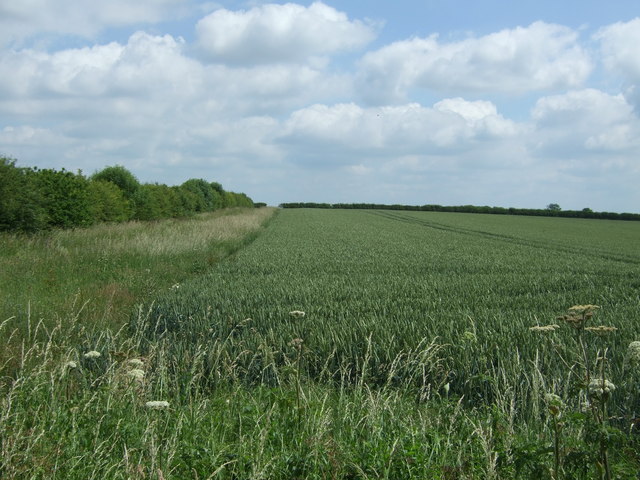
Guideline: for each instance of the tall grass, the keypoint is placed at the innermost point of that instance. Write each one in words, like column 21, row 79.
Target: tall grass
column 100, row 273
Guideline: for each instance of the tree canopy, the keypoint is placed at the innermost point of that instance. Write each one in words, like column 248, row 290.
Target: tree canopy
column 33, row 199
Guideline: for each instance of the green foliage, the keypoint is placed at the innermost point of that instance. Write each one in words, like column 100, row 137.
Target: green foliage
column 209, row 198
column 65, row 197
column 21, row 205
column 108, row 203
column 32, row 200
column 584, row 213
column 121, row 177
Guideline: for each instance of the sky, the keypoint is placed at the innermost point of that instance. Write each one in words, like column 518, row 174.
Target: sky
column 450, row 102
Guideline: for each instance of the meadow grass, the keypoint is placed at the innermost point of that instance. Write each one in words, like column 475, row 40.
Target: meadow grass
column 98, row 274
column 415, row 357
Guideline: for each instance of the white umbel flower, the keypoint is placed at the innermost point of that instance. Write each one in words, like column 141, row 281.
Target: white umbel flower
column 598, row 388
column 157, row 404
column 633, row 353
column 92, row 354
column 136, row 374
column 297, row 314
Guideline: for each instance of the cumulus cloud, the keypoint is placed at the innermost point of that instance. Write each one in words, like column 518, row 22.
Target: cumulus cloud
column 586, row 121
column 275, row 33
column 25, row 18
column 452, row 125
column 620, row 54
column 538, row 57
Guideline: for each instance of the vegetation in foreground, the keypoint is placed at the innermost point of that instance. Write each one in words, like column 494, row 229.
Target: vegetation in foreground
column 99, row 274
column 346, row 344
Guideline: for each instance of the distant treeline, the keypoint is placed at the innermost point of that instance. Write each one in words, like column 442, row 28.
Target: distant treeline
column 33, row 199
column 552, row 211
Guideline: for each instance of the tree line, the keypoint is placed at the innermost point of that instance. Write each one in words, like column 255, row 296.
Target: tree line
column 552, row 210
column 33, row 199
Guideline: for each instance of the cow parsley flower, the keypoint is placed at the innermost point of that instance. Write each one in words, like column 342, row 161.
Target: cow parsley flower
column 71, row 364
column 136, row 374
column 297, row 314
column 598, row 388
column 601, row 330
column 157, row 404
column 633, row 353
column 92, row 354
column 544, row 328
column 135, row 363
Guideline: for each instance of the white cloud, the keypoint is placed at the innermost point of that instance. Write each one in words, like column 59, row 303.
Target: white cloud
column 619, row 49
column 22, row 19
column 275, row 33
column 586, row 121
column 619, row 43
column 452, row 125
column 538, row 57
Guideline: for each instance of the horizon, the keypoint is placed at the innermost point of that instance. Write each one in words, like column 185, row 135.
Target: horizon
column 414, row 103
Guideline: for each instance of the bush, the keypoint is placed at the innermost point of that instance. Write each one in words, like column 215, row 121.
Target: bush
column 108, row 203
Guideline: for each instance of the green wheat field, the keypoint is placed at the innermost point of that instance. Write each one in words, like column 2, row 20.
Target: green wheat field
column 323, row 344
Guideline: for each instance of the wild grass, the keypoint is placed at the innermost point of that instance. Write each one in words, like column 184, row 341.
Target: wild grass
column 98, row 274
column 414, row 358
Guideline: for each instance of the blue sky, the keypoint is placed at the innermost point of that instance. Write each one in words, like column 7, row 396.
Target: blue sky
column 451, row 102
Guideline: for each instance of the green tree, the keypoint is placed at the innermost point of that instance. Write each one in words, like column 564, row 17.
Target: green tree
column 108, row 203
column 121, row 177
column 65, row 197
column 21, row 206
column 553, row 207
column 208, row 194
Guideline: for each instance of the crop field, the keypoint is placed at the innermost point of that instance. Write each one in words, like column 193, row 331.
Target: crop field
column 353, row 344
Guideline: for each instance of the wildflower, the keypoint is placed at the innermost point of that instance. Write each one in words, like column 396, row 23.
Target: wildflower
column 633, row 353
column 135, row 362
column 602, row 330
column 297, row 314
column 71, row 364
column 157, row 404
column 578, row 315
column 296, row 342
column 554, row 403
column 175, row 287
column 598, row 387
column 544, row 328
column 92, row 354
column 583, row 309
column 136, row 374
